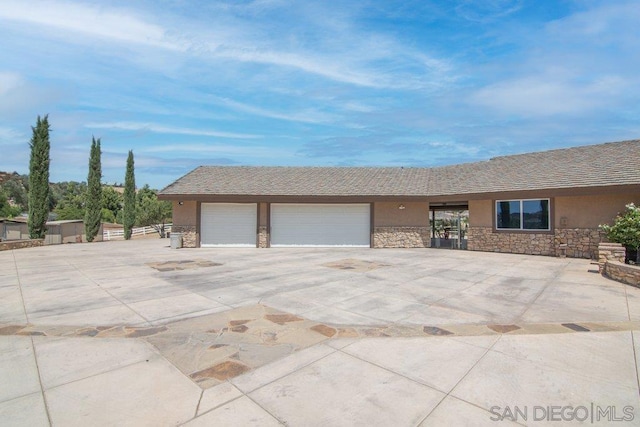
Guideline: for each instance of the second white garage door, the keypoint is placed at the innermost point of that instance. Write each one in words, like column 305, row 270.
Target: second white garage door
column 320, row 225
column 228, row 224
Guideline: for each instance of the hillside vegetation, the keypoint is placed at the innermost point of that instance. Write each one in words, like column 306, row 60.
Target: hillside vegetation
column 67, row 201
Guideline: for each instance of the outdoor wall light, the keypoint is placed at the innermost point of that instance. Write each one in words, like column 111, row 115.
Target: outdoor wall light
column 181, row 203
column 401, row 206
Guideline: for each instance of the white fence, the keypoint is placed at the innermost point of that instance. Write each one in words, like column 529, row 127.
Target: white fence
column 118, row 234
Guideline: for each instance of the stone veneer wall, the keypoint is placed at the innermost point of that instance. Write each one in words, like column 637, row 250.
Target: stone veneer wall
column 572, row 242
column 401, row 237
column 610, row 252
column 484, row 239
column 621, row 272
column 581, row 242
column 611, row 264
column 20, row 244
column 189, row 236
column 262, row 237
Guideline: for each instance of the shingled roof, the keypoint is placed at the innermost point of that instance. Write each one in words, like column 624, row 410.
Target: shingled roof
column 302, row 181
column 616, row 163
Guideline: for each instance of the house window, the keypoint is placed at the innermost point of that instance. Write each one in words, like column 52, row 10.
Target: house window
column 531, row 214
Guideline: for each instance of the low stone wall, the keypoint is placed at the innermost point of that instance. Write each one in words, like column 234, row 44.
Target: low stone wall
column 189, row 235
column 611, row 264
column 401, row 237
column 484, row 239
column 610, row 252
column 262, row 237
column 625, row 273
column 10, row 245
column 572, row 242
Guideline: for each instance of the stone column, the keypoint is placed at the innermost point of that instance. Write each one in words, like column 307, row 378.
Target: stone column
column 263, row 237
column 189, row 235
column 610, row 252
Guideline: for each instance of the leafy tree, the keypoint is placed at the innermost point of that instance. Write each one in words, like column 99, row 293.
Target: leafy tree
column 151, row 211
column 71, row 202
column 107, row 216
column 626, row 230
column 65, row 189
column 129, row 209
column 70, row 208
column 39, row 179
column 16, row 189
column 111, row 201
column 63, row 192
column 93, row 213
column 6, row 210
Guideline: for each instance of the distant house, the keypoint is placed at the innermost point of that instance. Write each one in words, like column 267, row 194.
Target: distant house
column 540, row 203
column 58, row 232
column 13, row 229
column 69, row 231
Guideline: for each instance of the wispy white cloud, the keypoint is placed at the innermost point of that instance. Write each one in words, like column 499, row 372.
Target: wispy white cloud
column 19, row 95
column 580, row 64
column 358, row 106
column 85, row 20
column 486, row 11
column 362, row 59
column 305, row 116
column 336, row 66
column 540, row 96
column 393, row 145
column 11, row 136
column 308, row 63
column 158, row 128
column 603, row 22
column 217, row 149
column 281, row 82
column 9, row 81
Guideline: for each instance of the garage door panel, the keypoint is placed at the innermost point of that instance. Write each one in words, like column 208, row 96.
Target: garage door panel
column 320, row 225
column 228, row 224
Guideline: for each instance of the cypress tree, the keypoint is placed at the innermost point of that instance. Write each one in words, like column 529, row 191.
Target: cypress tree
column 129, row 208
column 39, row 179
column 94, row 192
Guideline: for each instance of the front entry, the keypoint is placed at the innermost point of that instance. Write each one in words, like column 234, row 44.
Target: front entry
column 449, row 224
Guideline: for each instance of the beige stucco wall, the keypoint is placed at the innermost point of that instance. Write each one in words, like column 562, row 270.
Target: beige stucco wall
column 575, row 232
column 568, row 212
column 590, row 211
column 481, row 213
column 185, row 221
column 185, row 214
column 262, row 214
column 387, row 214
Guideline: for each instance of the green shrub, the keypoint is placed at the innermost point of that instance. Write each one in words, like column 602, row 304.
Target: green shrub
column 626, row 230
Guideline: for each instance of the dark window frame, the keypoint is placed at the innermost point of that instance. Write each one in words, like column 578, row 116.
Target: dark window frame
column 521, row 228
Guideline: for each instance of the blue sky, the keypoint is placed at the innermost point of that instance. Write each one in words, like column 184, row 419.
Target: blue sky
column 269, row 82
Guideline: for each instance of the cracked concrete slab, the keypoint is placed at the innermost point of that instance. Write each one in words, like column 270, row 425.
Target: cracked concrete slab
column 305, row 336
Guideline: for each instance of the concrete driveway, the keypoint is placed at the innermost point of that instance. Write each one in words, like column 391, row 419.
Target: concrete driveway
column 134, row 333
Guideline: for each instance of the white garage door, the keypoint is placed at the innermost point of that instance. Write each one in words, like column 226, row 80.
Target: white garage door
column 228, row 224
column 320, row 225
